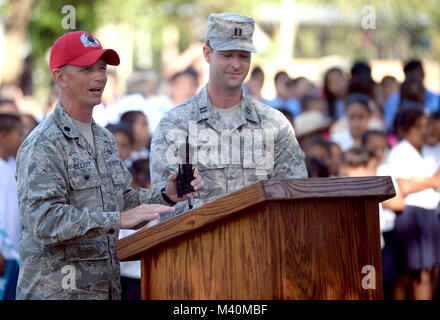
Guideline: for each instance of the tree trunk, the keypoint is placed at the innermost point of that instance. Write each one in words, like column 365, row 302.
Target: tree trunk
column 16, row 32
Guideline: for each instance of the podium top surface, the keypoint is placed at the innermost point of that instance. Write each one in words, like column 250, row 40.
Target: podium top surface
column 131, row 247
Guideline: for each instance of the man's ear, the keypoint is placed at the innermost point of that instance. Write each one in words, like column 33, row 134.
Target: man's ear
column 207, row 51
column 59, row 76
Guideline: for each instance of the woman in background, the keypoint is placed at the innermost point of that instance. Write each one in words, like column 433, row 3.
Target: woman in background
column 138, row 161
column 358, row 118
column 417, row 228
column 335, row 92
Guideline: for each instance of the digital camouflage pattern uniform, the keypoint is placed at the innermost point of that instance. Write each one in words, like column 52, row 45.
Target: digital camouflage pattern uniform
column 70, row 199
column 258, row 144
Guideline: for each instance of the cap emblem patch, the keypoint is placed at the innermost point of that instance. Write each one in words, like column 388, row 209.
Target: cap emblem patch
column 88, row 40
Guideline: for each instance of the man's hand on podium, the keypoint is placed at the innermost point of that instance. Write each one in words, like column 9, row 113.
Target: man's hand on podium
column 142, row 214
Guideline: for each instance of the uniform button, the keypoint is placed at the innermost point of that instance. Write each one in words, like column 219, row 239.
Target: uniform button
column 109, row 151
column 67, row 129
column 86, row 176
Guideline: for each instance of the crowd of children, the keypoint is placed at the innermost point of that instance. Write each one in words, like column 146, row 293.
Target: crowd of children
column 351, row 127
column 392, row 129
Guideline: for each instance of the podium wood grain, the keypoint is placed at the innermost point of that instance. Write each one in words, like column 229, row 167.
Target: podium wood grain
column 279, row 239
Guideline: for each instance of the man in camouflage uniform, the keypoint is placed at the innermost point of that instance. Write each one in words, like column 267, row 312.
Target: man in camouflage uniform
column 74, row 192
column 235, row 139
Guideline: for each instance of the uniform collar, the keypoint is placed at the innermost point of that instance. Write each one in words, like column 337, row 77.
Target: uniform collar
column 65, row 122
column 66, row 125
column 204, row 109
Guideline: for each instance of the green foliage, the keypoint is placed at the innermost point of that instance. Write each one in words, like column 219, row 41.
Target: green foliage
column 45, row 23
column 3, row 8
column 189, row 16
column 392, row 15
column 45, row 27
column 403, row 28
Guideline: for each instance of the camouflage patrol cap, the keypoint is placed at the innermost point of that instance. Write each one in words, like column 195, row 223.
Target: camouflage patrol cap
column 230, row 31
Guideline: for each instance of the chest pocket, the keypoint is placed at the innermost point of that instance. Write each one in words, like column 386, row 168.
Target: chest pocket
column 253, row 173
column 120, row 178
column 209, row 169
column 86, row 185
column 214, row 177
column 258, row 161
column 115, row 167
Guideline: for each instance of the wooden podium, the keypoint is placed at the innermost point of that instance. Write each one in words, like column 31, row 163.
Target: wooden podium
column 275, row 239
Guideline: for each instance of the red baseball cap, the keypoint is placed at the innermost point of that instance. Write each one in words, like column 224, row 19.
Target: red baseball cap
column 80, row 48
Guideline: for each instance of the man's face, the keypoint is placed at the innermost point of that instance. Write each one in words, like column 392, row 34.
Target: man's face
column 228, row 69
column 85, row 85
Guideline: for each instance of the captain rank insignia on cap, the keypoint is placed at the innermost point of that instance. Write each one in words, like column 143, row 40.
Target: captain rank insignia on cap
column 230, row 31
